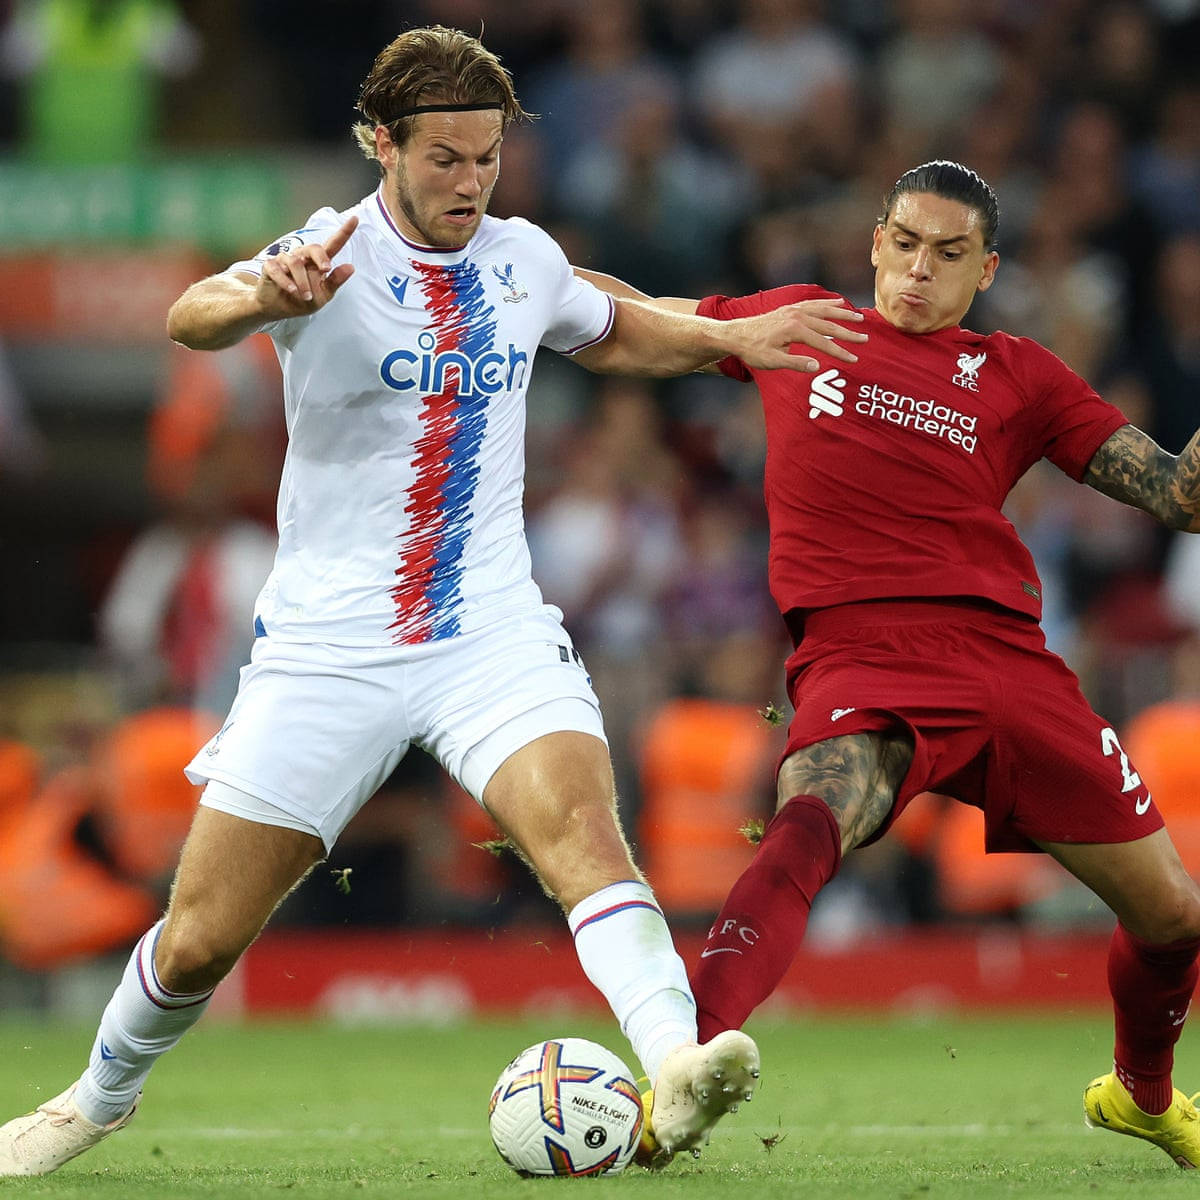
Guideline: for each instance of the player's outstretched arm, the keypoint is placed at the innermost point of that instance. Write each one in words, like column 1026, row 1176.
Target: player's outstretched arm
column 1133, row 468
column 223, row 309
column 626, row 291
column 619, row 288
column 650, row 340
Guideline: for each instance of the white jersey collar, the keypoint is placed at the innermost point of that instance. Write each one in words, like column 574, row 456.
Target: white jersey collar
column 432, row 254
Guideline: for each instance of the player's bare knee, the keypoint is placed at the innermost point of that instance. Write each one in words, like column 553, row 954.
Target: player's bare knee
column 192, row 968
column 589, row 853
column 1170, row 914
column 856, row 776
column 589, row 828
column 1176, row 918
column 191, row 958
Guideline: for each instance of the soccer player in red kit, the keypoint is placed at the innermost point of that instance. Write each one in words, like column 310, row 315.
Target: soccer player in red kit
column 919, row 661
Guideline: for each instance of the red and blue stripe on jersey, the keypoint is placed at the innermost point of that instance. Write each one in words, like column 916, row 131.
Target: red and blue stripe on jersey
column 427, row 594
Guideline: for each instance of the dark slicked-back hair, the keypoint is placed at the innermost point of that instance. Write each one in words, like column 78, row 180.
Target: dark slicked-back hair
column 429, row 66
column 951, row 181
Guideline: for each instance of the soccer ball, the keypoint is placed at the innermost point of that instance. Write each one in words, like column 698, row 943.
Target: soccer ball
column 566, row 1107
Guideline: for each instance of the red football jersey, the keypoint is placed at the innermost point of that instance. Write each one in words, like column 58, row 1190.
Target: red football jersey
column 885, row 477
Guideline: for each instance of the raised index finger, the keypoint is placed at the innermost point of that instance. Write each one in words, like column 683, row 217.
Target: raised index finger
column 341, row 236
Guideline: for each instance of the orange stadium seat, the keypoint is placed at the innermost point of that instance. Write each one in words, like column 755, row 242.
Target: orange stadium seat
column 970, row 882
column 145, row 802
column 973, row 883
column 1162, row 743
column 706, row 769
column 58, row 904
column 20, row 769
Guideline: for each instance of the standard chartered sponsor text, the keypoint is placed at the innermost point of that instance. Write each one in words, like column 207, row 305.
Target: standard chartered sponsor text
column 927, row 416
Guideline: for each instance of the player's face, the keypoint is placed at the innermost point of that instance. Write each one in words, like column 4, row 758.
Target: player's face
column 438, row 184
column 929, row 261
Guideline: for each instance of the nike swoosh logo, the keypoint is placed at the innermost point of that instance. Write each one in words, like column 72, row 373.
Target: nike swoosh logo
column 106, row 1053
column 1100, row 1113
column 1141, row 806
column 719, row 950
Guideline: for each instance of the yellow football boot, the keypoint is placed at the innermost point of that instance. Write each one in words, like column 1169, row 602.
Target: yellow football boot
column 1108, row 1105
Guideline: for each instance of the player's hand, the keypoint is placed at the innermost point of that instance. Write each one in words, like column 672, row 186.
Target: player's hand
column 302, row 281
column 819, row 324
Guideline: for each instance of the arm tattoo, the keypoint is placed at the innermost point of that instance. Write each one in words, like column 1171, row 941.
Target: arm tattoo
column 1187, row 485
column 857, row 776
column 1133, row 468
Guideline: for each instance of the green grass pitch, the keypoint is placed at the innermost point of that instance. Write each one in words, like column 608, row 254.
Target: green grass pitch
column 855, row 1107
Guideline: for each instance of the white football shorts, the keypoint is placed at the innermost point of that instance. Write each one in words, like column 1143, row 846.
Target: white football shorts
column 315, row 729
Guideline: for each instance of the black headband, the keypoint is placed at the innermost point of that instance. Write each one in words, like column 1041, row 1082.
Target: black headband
column 424, row 108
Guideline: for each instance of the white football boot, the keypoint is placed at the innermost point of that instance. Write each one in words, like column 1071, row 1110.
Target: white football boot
column 54, row 1133
column 695, row 1088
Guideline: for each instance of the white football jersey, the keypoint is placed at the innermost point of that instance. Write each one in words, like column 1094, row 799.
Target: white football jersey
column 401, row 503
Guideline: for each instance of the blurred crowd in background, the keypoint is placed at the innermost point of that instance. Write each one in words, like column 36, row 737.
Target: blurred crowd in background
column 688, row 146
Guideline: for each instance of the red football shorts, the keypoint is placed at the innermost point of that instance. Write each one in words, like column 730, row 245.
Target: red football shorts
column 997, row 721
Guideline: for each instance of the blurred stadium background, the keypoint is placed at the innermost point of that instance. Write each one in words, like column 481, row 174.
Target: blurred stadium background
column 690, row 146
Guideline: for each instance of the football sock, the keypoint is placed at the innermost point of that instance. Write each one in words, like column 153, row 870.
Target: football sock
column 762, row 922
column 142, row 1021
column 625, row 949
column 1151, row 988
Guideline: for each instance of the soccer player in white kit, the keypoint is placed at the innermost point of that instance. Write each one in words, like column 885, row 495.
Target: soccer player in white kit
column 401, row 609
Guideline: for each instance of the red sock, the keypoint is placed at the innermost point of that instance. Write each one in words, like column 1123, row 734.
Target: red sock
column 1151, row 988
column 761, row 923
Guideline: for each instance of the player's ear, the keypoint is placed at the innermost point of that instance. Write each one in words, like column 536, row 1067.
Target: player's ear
column 876, row 242
column 991, row 261
column 386, row 150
